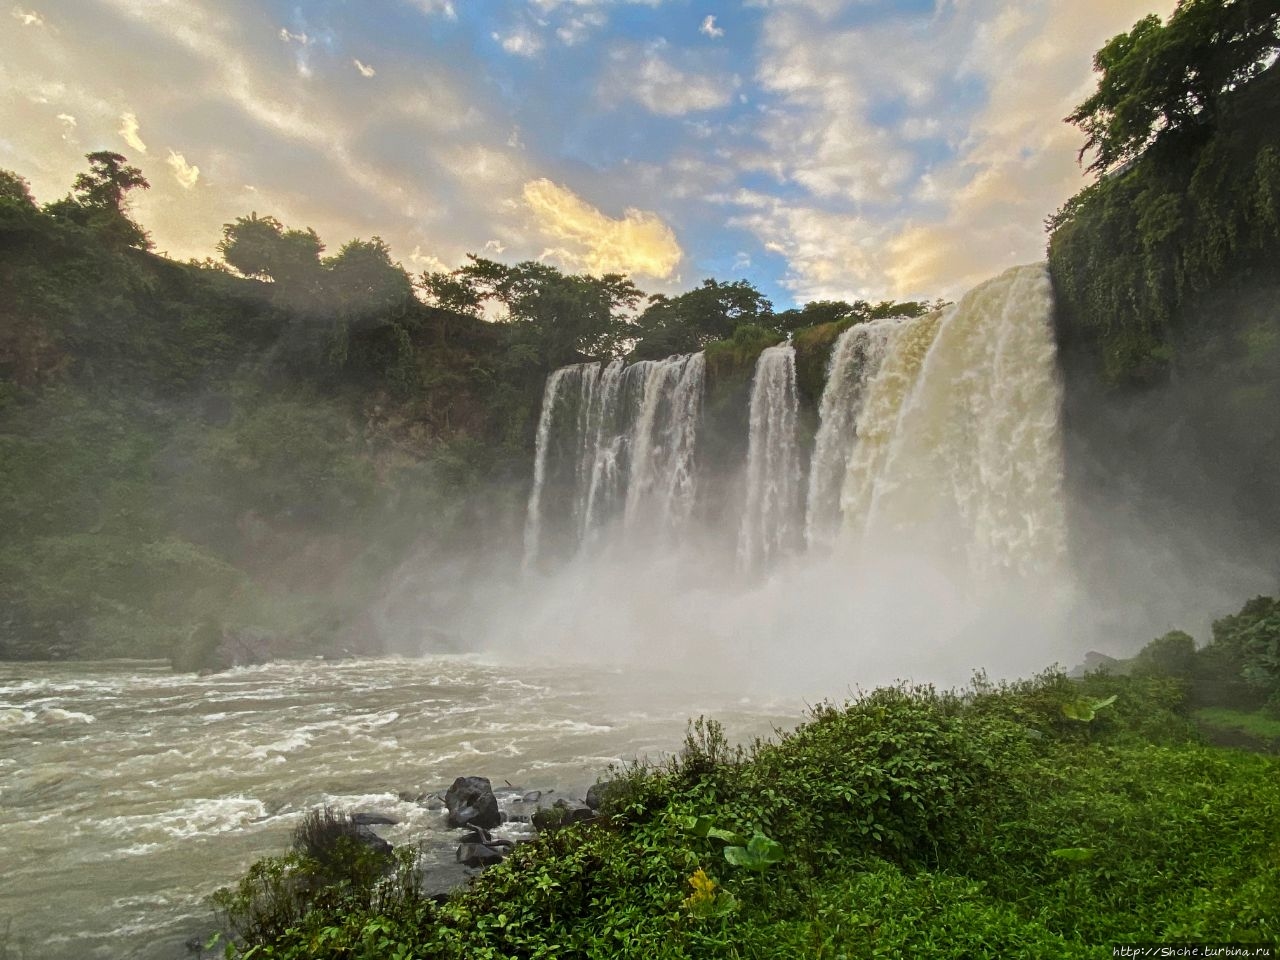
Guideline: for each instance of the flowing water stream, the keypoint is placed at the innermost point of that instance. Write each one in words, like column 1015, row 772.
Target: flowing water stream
column 128, row 794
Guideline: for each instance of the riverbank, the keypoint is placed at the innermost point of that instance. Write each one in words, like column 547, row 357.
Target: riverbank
column 1048, row 818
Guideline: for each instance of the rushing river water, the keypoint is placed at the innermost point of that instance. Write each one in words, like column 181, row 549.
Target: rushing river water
column 128, row 794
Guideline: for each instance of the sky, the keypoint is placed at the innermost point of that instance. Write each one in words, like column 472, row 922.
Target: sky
column 819, row 148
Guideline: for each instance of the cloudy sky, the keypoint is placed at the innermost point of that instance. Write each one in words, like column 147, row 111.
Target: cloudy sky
column 819, row 148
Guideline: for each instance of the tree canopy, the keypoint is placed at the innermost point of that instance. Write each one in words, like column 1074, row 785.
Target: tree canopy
column 98, row 200
column 1161, row 78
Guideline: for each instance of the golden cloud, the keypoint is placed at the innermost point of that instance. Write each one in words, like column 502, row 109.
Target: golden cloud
column 639, row 243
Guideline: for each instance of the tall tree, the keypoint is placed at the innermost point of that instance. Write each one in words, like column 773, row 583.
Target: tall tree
column 99, row 200
column 1158, row 78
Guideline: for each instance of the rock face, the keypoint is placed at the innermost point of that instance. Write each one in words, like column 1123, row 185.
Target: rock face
column 471, row 802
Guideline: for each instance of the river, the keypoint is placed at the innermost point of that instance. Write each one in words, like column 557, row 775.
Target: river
column 129, row 794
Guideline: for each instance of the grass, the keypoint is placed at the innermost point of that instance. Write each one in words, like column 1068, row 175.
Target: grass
column 1254, row 722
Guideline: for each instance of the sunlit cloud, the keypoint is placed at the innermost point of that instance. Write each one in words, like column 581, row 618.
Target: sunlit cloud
column 185, row 173
column 28, row 18
column 364, row 68
column 710, row 29
column 129, row 132
column 443, row 8
column 585, row 238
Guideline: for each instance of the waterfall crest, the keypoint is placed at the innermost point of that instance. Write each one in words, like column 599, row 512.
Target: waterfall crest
column 771, row 516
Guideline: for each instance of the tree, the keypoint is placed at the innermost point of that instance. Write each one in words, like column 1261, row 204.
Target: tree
column 364, row 280
column 558, row 317
column 703, row 315
column 262, row 248
column 98, row 200
column 1160, row 79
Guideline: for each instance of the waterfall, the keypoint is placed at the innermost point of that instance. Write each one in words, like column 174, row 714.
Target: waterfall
column 937, row 443
column 614, row 442
column 661, row 482
column 877, row 421
column 976, row 455
column 772, row 511
column 855, row 360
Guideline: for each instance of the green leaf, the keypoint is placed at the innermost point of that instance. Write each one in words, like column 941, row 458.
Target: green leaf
column 758, row 855
column 1074, row 854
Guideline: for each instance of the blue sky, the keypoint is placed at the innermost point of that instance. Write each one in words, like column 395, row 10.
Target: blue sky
column 819, row 148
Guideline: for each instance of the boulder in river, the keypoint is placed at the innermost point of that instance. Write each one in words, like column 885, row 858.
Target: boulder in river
column 561, row 814
column 471, row 802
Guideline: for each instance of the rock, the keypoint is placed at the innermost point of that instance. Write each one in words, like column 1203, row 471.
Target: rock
column 478, row 855
column 471, row 801
column 371, row 840
column 602, row 792
column 533, row 796
column 373, row 820
column 561, row 814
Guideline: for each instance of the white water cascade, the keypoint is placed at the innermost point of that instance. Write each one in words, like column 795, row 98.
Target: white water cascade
column 974, row 463
column 929, row 538
column 771, row 518
column 615, row 444
column 855, row 360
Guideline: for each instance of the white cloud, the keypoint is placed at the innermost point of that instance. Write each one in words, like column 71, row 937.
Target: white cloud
column 298, row 38
column 521, row 41
column 710, row 29
column 638, row 243
column 648, row 77
column 576, row 28
column 28, row 18
column 185, row 173
column 129, row 132
column 433, row 7
column 364, row 68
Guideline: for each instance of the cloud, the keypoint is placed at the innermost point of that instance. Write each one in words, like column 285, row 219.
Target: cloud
column 129, row 132
column 364, row 68
column 521, row 41
column 185, row 173
column 649, row 78
column 298, row 38
column 638, row 243
column 710, row 29
column 436, row 7
column 28, row 18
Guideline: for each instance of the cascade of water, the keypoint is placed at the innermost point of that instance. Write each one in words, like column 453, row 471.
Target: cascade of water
column 877, row 421
column 769, row 521
column 563, row 439
column 661, row 480
column 855, row 360
column 617, row 440
column 976, row 456
column 604, row 480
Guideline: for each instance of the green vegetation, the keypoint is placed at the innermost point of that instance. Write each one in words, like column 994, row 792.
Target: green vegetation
column 998, row 822
column 1191, row 109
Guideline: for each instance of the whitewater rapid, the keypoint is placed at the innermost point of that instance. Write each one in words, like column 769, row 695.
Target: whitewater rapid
column 128, row 794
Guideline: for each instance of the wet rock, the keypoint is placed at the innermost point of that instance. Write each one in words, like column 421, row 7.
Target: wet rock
column 478, row 855
column 371, row 840
column 533, row 796
column 471, row 801
column 603, row 792
column 373, row 820
column 561, row 814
